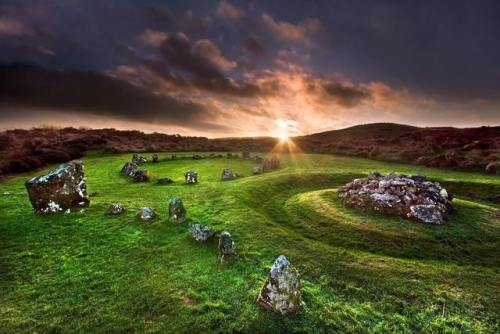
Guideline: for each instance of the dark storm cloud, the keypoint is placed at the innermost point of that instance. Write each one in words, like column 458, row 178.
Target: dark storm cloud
column 32, row 87
column 345, row 95
column 254, row 46
column 201, row 65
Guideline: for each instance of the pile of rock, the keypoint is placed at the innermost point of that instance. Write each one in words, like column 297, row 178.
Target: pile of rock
column 60, row 189
column 146, row 214
column 412, row 197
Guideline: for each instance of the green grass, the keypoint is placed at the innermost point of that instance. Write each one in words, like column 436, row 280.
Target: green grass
column 360, row 272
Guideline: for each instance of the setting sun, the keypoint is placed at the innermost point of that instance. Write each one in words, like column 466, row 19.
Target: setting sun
column 283, row 137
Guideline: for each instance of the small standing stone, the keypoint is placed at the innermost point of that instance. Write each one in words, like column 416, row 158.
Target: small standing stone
column 146, row 214
column 115, row 209
column 201, row 232
column 281, row 291
column 226, row 245
column 154, row 158
column 176, row 211
column 227, row 174
column 191, row 177
column 257, row 170
column 141, row 175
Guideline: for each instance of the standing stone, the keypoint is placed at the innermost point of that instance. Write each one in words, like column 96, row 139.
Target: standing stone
column 173, row 157
column 226, row 245
column 59, row 190
column 191, row 177
column 201, row 232
column 281, row 291
column 245, row 155
column 154, row 157
column 115, row 209
column 146, row 214
column 227, row 174
column 176, row 211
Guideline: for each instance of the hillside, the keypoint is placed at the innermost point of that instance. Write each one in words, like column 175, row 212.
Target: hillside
column 462, row 149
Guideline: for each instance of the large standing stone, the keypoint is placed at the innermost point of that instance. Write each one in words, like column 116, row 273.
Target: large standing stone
column 60, row 189
column 281, row 291
column 227, row 174
column 201, row 232
column 191, row 177
column 176, row 211
column 138, row 160
column 245, row 155
column 226, row 245
column 146, row 214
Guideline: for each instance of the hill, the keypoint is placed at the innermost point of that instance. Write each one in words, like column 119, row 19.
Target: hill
column 462, row 149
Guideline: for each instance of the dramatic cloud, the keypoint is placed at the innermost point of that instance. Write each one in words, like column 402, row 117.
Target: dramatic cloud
column 31, row 87
column 153, row 38
column 226, row 10
column 298, row 33
column 13, row 27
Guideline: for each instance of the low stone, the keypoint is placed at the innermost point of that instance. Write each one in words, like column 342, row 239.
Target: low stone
column 165, row 180
column 176, row 211
column 257, row 170
column 226, row 245
column 258, row 159
column 154, row 157
column 201, row 232
column 138, row 160
column 197, row 157
column 141, row 175
column 281, row 291
column 191, row 177
column 60, row 189
column 128, row 168
column 146, row 214
column 227, row 174
column 115, row 209
column 427, row 213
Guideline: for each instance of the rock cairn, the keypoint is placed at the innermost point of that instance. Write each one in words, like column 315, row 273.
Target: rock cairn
column 281, row 291
column 60, row 189
column 412, row 197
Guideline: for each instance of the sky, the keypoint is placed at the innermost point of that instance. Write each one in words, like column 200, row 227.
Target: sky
column 248, row 68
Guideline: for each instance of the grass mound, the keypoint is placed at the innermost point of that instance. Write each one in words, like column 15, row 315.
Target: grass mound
column 361, row 272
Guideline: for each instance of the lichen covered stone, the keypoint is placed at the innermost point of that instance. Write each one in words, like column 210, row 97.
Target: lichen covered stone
column 281, row 291
column 146, row 214
column 227, row 246
column 176, row 211
column 201, row 232
column 59, row 190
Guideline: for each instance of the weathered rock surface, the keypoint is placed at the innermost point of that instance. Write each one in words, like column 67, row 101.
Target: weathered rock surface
column 197, row 157
column 493, row 168
column 128, row 169
column 191, row 177
column 201, row 232
column 146, row 214
column 141, row 175
column 226, row 245
column 154, row 158
column 176, row 211
column 412, row 197
column 257, row 170
column 115, row 209
column 139, row 160
column 165, row 180
column 60, row 189
column 227, row 174
column 281, row 291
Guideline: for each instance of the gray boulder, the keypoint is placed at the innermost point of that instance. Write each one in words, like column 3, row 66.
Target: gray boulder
column 227, row 174
column 146, row 214
column 128, row 169
column 60, row 189
column 201, row 232
column 176, row 211
column 141, row 175
column 281, row 291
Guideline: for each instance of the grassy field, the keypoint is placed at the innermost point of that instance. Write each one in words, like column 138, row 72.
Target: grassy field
column 360, row 272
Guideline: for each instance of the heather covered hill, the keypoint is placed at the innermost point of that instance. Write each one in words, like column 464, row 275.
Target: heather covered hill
column 475, row 149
